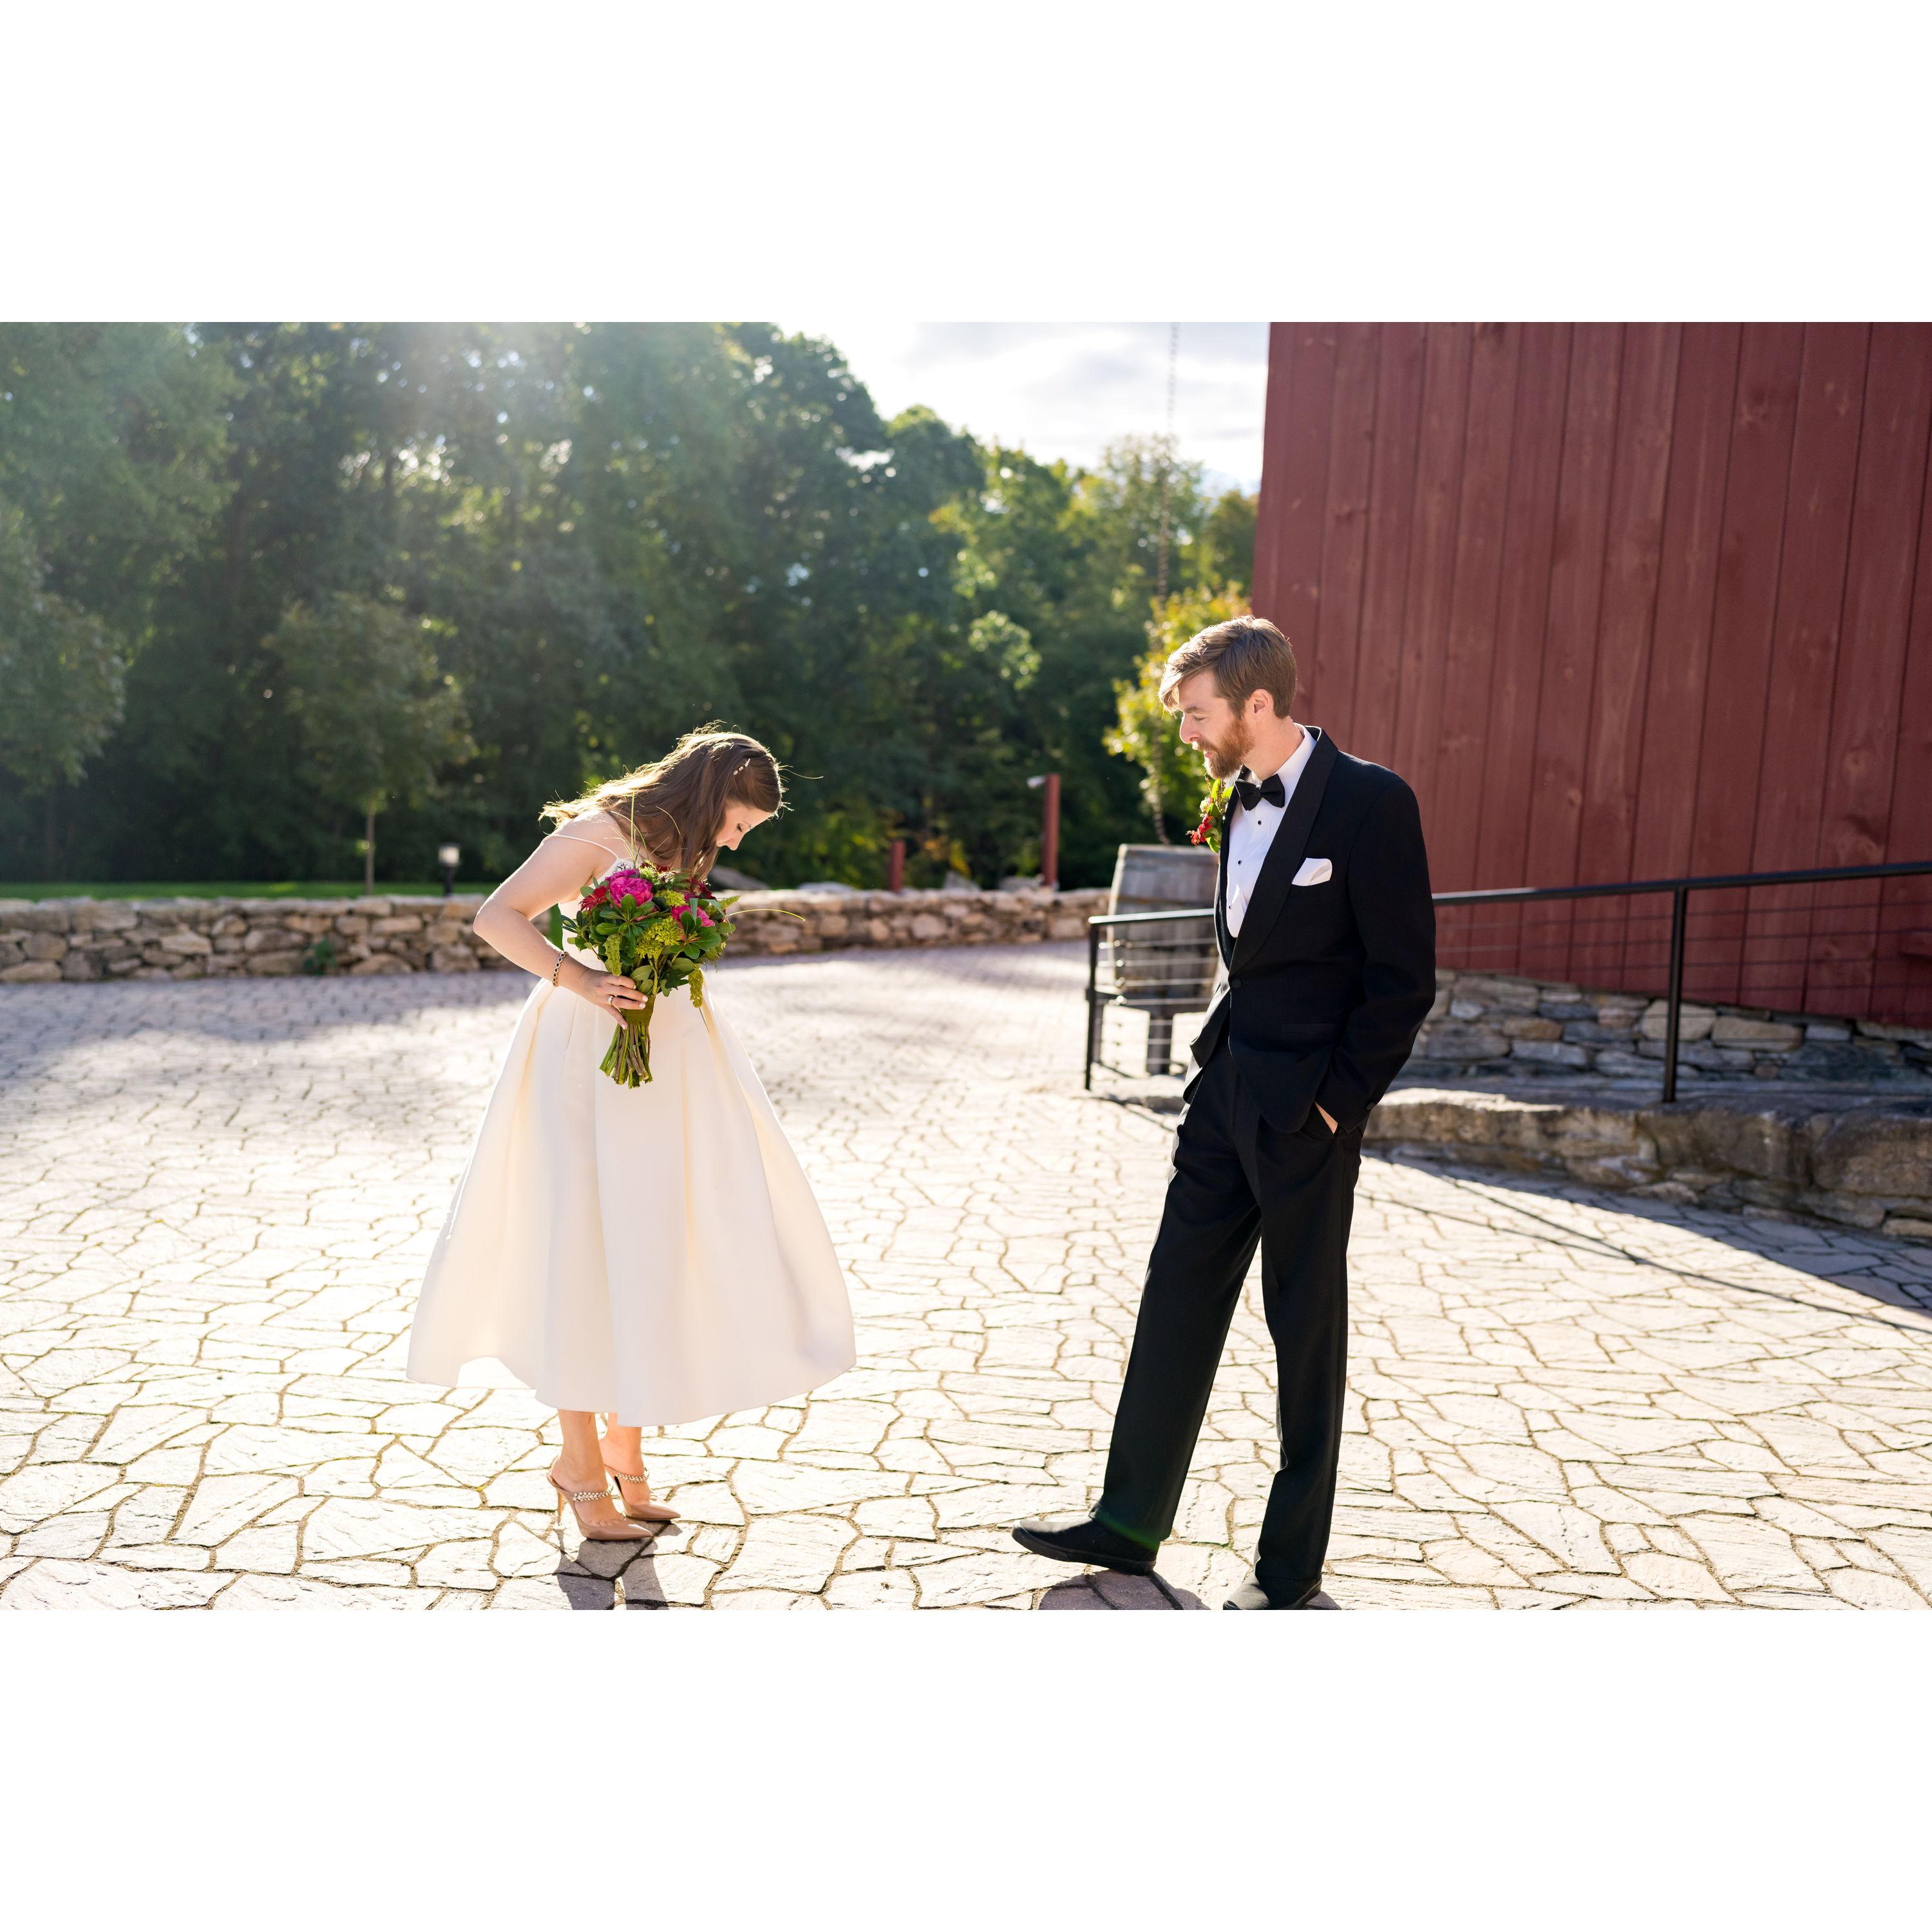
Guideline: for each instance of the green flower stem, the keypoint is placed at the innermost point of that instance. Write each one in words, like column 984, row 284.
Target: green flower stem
column 643, row 1034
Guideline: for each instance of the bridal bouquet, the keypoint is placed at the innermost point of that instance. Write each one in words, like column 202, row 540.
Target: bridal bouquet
column 662, row 930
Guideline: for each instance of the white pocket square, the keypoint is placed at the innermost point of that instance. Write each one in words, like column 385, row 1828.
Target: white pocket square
column 1313, row 872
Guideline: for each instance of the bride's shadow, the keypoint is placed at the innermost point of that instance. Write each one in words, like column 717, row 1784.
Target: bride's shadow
column 622, row 1575
column 1113, row 1590
column 590, row 1579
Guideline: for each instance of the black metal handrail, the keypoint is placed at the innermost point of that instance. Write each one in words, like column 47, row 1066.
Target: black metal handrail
column 1710, row 881
column 1680, row 889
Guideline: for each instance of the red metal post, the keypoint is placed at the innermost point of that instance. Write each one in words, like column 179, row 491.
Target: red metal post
column 1049, row 835
column 895, row 866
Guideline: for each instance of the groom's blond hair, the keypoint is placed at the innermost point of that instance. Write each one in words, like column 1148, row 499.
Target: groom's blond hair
column 1246, row 654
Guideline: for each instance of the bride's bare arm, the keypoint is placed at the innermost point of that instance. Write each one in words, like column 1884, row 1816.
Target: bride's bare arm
column 557, row 870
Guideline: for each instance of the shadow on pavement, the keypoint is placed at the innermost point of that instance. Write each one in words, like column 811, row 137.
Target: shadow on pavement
column 1109, row 1590
column 589, row 1579
column 181, row 1018
column 1897, row 1273
column 1869, row 1264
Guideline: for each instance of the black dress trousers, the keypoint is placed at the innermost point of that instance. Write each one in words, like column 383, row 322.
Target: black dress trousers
column 1237, row 1181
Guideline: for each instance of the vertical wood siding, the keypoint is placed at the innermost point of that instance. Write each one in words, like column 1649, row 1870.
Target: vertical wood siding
column 1626, row 601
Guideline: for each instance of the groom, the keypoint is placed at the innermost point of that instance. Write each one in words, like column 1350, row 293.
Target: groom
column 1328, row 941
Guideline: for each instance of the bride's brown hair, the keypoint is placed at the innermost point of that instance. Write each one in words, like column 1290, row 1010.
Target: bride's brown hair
column 674, row 810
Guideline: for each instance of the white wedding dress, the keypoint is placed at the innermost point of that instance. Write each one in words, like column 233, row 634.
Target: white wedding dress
column 655, row 1253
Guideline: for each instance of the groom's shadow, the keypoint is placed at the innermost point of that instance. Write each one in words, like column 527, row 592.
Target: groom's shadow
column 1114, row 1590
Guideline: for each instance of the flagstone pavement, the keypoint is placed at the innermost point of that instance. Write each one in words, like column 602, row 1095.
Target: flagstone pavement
column 216, row 1197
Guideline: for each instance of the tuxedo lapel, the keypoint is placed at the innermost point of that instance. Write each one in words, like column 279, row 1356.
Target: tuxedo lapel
column 1285, row 854
column 1222, row 935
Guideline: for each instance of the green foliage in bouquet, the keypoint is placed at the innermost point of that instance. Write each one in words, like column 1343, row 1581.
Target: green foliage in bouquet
column 659, row 930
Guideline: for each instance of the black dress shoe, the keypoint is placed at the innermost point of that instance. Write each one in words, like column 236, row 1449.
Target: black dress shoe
column 1249, row 1595
column 1079, row 1539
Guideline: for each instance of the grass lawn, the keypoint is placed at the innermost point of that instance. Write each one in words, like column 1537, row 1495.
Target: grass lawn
column 243, row 888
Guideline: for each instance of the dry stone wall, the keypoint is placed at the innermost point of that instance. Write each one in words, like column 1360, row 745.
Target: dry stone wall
column 88, row 940
column 1744, row 1133
column 1486, row 1027
column 1481, row 1026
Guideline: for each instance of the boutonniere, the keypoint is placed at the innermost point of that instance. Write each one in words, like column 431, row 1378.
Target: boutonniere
column 1213, row 816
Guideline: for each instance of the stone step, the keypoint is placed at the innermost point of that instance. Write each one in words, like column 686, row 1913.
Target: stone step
column 1855, row 1161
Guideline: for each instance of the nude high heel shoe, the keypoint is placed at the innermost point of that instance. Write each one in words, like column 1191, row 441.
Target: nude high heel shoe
column 592, row 1532
column 643, row 1512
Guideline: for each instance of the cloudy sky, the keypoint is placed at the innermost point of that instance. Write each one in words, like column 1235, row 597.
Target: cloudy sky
column 1068, row 389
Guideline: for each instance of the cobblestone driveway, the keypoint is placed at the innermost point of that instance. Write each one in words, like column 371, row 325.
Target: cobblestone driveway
column 215, row 1199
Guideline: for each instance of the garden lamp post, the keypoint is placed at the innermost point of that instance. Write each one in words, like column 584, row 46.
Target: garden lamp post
column 447, row 857
column 1049, row 829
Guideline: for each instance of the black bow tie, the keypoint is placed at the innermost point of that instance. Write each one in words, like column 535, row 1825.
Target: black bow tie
column 1252, row 795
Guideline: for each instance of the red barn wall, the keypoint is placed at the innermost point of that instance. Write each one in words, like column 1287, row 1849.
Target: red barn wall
column 1627, row 601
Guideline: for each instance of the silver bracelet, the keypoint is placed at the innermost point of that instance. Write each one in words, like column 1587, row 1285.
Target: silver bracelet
column 558, row 967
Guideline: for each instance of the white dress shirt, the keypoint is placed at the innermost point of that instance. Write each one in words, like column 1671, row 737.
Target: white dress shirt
column 1244, row 845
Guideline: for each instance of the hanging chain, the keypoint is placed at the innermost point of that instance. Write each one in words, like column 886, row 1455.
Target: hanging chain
column 1154, row 773
column 1167, row 459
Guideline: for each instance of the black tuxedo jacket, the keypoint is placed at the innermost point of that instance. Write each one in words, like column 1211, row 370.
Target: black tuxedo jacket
column 1328, row 984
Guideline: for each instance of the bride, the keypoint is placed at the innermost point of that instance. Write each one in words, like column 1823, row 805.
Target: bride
column 652, row 1254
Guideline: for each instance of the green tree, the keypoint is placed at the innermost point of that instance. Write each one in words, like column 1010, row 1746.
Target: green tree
column 62, row 677
column 1226, row 546
column 113, row 439
column 613, row 530
column 1071, row 555
column 1145, row 731
column 1139, row 496
column 378, row 716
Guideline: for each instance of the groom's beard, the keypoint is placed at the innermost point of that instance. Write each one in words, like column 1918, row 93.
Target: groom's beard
column 1224, row 757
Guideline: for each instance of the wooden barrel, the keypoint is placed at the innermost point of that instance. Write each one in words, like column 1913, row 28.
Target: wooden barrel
column 1169, row 967
column 1163, row 878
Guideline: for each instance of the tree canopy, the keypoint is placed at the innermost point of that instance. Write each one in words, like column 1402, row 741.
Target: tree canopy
column 379, row 717
column 600, row 534
column 1172, row 781
column 61, row 669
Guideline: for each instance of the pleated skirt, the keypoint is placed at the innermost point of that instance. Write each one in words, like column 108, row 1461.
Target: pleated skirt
column 655, row 1253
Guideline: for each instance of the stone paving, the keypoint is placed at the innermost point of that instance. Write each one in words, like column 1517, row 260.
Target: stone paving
column 215, row 1199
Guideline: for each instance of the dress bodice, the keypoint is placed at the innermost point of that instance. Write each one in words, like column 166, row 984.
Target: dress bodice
column 612, row 858
column 612, row 861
